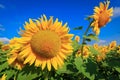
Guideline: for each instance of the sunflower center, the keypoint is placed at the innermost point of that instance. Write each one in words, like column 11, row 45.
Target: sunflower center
column 46, row 44
column 103, row 19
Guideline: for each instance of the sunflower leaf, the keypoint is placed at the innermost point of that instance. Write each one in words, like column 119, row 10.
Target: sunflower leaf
column 64, row 69
column 30, row 76
column 9, row 73
column 3, row 66
column 78, row 28
column 91, row 36
column 75, row 45
column 79, row 64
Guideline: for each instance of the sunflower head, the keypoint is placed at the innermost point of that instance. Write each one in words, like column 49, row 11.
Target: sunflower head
column 85, row 53
column 77, row 38
column 112, row 45
column 101, row 16
column 118, row 49
column 5, row 47
column 46, row 43
column 95, row 46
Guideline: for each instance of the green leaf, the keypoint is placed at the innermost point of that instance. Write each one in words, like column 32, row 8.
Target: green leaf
column 117, row 69
column 91, row 69
column 88, row 40
column 78, row 28
column 23, row 76
column 64, row 69
column 79, row 64
column 91, row 36
column 3, row 66
column 83, row 69
column 75, row 45
column 88, row 18
column 113, row 61
column 9, row 73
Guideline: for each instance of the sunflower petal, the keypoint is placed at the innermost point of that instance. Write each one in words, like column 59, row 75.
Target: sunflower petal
column 49, row 65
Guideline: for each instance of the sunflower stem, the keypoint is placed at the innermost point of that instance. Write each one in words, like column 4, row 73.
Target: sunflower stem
column 16, row 75
column 84, row 39
column 46, row 74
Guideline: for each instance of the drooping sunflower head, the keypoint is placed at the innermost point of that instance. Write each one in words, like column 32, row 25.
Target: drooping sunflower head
column 46, row 42
column 101, row 16
column 13, row 58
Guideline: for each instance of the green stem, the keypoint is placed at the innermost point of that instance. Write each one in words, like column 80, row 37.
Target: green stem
column 85, row 34
column 46, row 74
column 16, row 75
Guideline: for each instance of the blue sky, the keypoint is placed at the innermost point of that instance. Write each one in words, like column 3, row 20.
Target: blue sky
column 13, row 14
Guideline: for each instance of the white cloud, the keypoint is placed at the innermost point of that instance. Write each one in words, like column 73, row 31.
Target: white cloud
column 4, row 39
column 2, row 6
column 116, row 12
column 102, row 42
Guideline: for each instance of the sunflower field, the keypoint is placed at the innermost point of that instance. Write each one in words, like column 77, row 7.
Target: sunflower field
column 46, row 50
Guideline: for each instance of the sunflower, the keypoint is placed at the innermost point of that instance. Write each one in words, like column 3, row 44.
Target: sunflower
column 77, row 38
column 14, row 59
column 46, row 43
column 118, row 49
column 101, row 16
column 112, row 45
column 5, row 47
column 85, row 53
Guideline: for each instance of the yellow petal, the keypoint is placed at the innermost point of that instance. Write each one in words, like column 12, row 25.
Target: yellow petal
column 67, row 47
column 25, row 52
column 49, row 65
column 50, row 22
column 67, row 36
column 97, row 10
column 38, row 62
column 33, row 59
column 28, row 59
column 32, row 24
column 24, row 40
column 66, row 51
column 45, row 18
column 60, row 61
column 62, row 55
column 54, row 63
column 43, row 64
column 12, row 59
column 101, row 5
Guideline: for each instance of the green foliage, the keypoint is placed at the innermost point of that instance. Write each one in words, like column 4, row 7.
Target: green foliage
column 74, row 68
column 78, row 28
column 93, row 50
column 75, row 45
column 91, row 37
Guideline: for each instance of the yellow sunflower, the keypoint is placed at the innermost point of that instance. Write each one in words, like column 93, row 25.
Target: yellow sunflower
column 46, row 43
column 101, row 16
column 118, row 49
column 85, row 54
column 77, row 38
column 5, row 47
column 14, row 59
column 112, row 45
